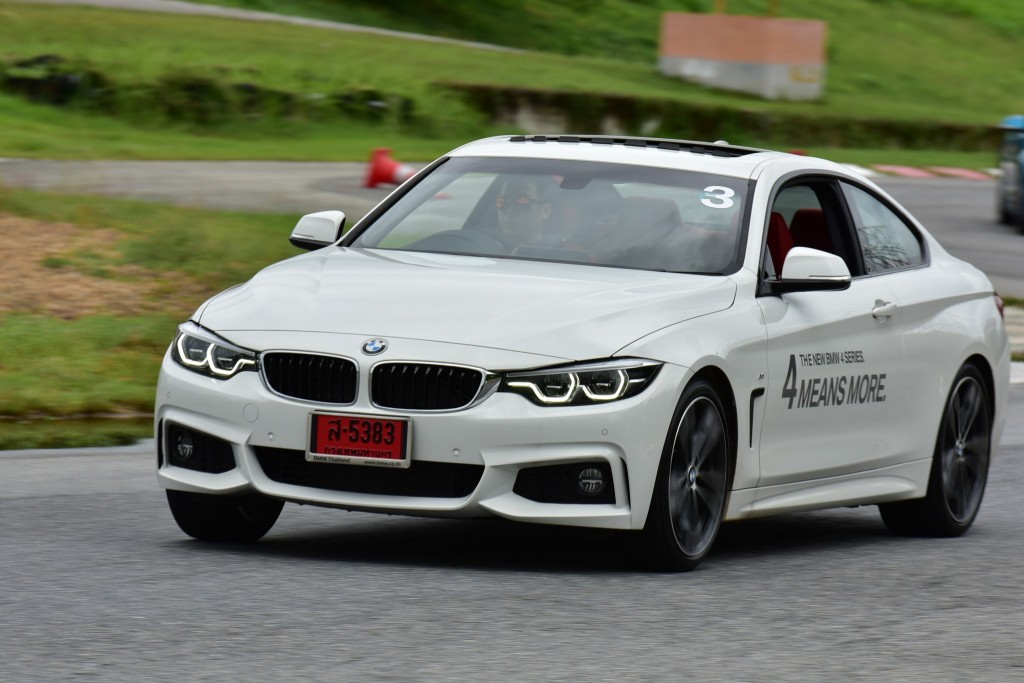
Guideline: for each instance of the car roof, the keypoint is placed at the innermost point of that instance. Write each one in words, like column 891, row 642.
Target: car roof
column 718, row 158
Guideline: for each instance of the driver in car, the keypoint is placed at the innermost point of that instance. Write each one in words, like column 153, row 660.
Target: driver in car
column 524, row 204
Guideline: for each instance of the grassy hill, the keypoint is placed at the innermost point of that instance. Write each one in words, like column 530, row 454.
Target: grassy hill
column 616, row 29
column 176, row 86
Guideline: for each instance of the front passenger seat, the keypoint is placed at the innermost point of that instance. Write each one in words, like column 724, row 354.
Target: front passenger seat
column 809, row 229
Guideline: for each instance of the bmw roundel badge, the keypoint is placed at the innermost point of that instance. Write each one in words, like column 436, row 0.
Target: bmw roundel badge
column 371, row 347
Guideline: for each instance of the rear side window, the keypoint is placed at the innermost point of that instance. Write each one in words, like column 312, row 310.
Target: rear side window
column 886, row 241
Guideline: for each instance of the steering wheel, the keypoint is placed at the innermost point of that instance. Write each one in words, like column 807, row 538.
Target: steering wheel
column 464, row 241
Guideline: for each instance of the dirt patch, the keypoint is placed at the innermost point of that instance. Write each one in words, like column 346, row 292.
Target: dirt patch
column 39, row 273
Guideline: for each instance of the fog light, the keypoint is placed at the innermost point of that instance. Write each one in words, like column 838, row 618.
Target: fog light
column 184, row 445
column 590, row 481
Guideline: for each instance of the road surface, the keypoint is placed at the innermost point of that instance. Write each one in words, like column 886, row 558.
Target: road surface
column 99, row 585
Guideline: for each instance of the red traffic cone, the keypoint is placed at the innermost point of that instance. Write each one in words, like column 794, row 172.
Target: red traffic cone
column 384, row 169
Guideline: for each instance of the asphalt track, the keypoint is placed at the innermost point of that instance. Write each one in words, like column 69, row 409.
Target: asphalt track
column 99, row 585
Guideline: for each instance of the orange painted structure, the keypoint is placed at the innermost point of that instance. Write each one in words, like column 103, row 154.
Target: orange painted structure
column 766, row 56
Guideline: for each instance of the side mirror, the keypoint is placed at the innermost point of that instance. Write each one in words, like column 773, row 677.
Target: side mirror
column 811, row 270
column 317, row 230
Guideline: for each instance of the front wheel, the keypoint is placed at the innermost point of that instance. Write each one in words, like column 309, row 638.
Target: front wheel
column 224, row 518
column 692, row 486
column 959, row 467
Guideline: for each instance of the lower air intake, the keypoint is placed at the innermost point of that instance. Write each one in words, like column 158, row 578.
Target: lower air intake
column 587, row 483
column 197, row 451
column 421, row 479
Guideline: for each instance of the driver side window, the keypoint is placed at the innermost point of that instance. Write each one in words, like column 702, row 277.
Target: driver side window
column 808, row 212
column 796, row 214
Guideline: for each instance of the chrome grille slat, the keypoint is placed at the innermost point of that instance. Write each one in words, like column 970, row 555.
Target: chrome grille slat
column 424, row 386
column 310, row 377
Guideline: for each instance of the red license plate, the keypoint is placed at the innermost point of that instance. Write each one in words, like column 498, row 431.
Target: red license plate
column 358, row 440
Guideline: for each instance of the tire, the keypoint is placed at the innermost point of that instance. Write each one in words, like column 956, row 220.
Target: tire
column 1003, row 215
column 956, row 484
column 236, row 519
column 692, row 487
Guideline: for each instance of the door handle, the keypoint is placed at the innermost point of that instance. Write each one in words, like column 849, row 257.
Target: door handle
column 883, row 309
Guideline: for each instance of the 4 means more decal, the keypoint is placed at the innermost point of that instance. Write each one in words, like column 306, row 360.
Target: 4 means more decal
column 834, row 390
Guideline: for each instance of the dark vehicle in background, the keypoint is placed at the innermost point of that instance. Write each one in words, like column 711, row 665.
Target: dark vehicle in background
column 1010, row 193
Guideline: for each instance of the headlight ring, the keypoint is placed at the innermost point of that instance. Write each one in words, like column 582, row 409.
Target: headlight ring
column 583, row 384
column 202, row 351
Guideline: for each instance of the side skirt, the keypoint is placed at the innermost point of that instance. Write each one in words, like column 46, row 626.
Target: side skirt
column 885, row 485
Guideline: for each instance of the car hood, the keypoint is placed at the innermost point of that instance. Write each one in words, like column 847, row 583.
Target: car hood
column 569, row 311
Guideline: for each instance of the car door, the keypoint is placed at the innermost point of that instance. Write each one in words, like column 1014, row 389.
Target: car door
column 834, row 357
column 894, row 252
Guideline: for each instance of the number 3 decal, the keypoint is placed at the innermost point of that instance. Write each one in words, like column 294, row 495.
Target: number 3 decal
column 717, row 197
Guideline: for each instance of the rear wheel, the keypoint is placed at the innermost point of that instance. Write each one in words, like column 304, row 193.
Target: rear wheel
column 691, row 490
column 959, row 467
column 224, row 518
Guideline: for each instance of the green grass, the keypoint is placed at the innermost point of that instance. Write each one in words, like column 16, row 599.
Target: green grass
column 1013, row 301
column 38, row 131
column 619, row 29
column 73, row 433
column 55, row 372
column 906, row 157
column 886, row 60
column 216, row 248
column 108, row 363
column 616, row 29
column 93, row 365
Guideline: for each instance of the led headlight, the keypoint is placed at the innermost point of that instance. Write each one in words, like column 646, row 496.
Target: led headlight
column 206, row 353
column 584, row 384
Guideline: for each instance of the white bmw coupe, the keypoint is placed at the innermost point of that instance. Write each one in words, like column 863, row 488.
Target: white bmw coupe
column 653, row 336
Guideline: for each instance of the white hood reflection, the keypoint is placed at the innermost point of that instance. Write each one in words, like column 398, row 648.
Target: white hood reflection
column 564, row 310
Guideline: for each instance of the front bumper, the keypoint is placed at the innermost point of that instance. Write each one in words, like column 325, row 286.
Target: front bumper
column 497, row 438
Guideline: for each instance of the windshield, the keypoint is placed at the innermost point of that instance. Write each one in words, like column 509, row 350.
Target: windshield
column 555, row 210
